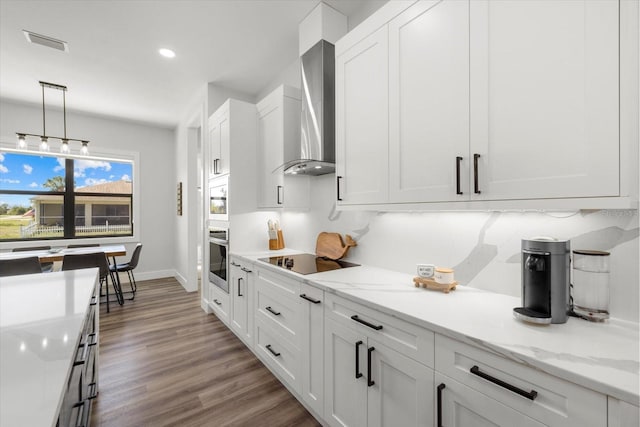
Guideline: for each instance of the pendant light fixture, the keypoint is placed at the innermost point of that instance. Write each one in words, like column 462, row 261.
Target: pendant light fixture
column 44, row 138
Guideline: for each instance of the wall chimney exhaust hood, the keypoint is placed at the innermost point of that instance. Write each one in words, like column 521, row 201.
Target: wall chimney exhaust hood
column 315, row 154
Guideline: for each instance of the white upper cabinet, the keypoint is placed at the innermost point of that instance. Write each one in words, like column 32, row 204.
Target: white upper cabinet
column 279, row 130
column 362, row 120
column 219, row 139
column 544, row 98
column 428, row 101
column 496, row 104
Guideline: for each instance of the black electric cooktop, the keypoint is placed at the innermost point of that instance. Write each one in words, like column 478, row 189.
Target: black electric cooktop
column 307, row 263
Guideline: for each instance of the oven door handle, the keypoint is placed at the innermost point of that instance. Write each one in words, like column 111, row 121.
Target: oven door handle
column 218, row 241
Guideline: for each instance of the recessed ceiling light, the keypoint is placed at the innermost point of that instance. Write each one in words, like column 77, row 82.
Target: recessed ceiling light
column 167, row 53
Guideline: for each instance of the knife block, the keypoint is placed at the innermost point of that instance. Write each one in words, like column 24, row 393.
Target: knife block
column 275, row 244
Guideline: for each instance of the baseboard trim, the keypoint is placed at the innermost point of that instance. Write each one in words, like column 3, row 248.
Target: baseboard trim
column 150, row 275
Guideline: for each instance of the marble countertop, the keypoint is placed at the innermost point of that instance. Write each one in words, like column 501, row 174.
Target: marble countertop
column 604, row 357
column 41, row 319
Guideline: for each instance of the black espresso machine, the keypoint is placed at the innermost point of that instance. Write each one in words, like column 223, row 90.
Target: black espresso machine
column 545, row 281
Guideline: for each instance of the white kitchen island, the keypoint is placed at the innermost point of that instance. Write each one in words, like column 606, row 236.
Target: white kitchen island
column 43, row 322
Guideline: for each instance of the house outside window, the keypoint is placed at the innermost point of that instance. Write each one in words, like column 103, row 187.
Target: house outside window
column 35, row 188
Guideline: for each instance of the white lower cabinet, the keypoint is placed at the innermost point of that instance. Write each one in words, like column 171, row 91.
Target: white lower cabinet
column 312, row 346
column 241, row 294
column 533, row 394
column 622, row 414
column 460, row 406
column 367, row 382
column 219, row 303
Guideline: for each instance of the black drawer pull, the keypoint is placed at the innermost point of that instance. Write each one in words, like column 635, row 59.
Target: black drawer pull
column 246, row 270
column 370, row 382
column 272, row 311
column 358, row 373
column 234, row 264
column 94, row 300
column 239, row 290
column 458, row 160
column 364, row 322
column 440, row 388
column 338, row 178
column 531, row 395
column 82, row 419
column 217, row 302
column 315, row 301
column 83, row 359
column 476, row 185
column 272, row 351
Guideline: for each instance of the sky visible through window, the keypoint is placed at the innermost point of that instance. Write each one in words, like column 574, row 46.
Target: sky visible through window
column 29, row 172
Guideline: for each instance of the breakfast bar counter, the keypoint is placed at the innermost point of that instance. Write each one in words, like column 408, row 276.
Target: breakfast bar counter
column 42, row 319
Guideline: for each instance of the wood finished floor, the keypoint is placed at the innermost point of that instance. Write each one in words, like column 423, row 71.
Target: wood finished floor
column 164, row 362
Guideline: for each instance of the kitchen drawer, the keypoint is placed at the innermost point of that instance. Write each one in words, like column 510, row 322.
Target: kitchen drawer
column 280, row 356
column 279, row 284
column 557, row 402
column 406, row 338
column 219, row 302
column 281, row 313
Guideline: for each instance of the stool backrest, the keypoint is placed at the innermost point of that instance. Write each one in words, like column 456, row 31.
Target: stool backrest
column 18, row 266
column 78, row 261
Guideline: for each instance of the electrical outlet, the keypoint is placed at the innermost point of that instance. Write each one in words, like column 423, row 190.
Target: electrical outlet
column 425, row 270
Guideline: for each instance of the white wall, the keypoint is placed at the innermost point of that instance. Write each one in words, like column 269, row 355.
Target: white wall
column 483, row 247
column 155, row 179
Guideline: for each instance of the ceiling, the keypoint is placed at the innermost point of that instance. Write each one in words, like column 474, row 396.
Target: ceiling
column 113, row 67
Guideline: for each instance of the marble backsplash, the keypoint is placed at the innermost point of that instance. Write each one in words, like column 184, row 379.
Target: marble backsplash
column 482, row 247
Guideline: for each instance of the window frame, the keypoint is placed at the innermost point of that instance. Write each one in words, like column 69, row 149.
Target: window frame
column 101, row 154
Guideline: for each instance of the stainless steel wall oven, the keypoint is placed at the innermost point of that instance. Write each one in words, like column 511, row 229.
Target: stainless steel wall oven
column 218, row 258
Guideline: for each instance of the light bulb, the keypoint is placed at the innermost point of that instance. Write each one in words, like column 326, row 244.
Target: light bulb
column 84, row 150
column 64, row 148
column 44, row 145
column 22, row 142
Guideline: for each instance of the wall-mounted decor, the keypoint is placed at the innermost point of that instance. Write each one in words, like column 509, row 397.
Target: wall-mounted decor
column 179, row 200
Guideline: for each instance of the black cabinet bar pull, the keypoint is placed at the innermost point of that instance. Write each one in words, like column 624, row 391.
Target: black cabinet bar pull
column 476, row 186
column 94, row 339
column 458, row 160
column 234, row 264
column 370, row 382
column 217, row 302
column 440, row 388
column 272, row 311
column 239, row 293
column 272, row 351
column 314, row 301
column 338, row 178
column 278, row 192
column 364, row 322
column 531, row 395
column 94, row 300
column 92, row 391
column 83, row 359
column 358, row 373
column 246, row 270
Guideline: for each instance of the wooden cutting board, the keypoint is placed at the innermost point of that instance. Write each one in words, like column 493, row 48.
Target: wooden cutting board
column 330, row 245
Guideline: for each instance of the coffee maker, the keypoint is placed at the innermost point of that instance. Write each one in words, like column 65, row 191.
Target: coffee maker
column 545, row 281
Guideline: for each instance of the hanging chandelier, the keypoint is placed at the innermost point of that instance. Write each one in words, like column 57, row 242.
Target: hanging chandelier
column 44, row 138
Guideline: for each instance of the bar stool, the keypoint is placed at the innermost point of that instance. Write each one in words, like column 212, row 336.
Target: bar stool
column 47, row 267
column 95, row 259
column 129, row 267
column 18, row 266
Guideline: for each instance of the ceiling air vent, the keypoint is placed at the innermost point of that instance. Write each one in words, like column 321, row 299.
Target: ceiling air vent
column 46, row 41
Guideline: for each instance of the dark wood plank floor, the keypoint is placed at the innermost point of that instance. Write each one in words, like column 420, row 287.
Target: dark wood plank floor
column 164, row 362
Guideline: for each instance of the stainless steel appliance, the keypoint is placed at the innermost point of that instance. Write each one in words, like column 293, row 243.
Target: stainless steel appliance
column 218, row 259
column 315, row 153
column 307, row 263
column 545, row 281
column 219, row 198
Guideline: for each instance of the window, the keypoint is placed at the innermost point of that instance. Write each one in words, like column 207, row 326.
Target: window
column 49, row 197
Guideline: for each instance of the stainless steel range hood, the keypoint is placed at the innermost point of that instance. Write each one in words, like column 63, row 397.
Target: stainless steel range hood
column 315, row 154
